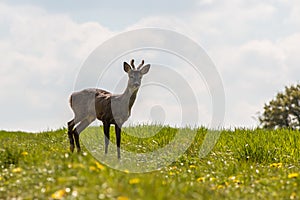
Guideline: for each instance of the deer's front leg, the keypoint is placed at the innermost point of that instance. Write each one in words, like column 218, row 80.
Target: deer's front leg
column 71, row 125
column 70, row 135
column 106, row 135
column 118, row 138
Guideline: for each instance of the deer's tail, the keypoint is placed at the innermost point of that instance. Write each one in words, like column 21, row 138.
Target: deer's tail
column 70, row 101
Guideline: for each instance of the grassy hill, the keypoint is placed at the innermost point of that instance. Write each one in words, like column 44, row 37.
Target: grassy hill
column 244, row 164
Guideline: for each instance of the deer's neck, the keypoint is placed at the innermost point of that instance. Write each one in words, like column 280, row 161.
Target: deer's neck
column 129, row 96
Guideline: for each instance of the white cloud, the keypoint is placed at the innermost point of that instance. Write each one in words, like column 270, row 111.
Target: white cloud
column 41, row 54
column 253, row 44
column 291, row 48
column 253, row 72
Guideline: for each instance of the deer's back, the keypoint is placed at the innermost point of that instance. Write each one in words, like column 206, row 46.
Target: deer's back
column 83, row 102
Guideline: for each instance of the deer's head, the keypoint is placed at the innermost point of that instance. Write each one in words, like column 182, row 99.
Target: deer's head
column 135, row 74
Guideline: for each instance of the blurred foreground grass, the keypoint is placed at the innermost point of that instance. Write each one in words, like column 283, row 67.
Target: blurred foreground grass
column 244, row 164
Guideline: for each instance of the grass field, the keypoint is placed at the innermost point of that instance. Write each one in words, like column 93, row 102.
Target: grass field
column 244, row 164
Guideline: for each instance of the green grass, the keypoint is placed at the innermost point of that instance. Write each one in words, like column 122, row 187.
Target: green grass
column 244, row 164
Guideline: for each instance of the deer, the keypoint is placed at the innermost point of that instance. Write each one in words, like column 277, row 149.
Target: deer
column 112, row 109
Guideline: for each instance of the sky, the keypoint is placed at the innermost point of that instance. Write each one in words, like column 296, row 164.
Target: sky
column 254, row 46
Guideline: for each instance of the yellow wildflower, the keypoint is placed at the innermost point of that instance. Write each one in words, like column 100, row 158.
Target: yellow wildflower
column 99, row 166
column 192, row 166
column 293, row 175
column 122, row 198
column 171, row 173
column 134, row 181
column 17, row 170
column 59, row 194
column 201, row 179
column 276, row 165
column 24, row 153
column 220, row 187
column 93, row 168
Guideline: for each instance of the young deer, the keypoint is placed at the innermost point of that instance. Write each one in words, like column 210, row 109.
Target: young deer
column 91, row 104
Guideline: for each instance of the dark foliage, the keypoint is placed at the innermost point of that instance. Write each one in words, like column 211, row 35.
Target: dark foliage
column 284, row 110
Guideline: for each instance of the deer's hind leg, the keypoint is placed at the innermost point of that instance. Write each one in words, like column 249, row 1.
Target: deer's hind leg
column 71, row 125
column 79, row 128
column 71, row 135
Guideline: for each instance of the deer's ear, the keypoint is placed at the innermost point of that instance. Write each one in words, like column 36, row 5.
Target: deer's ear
column 127, row 67
column 145, row 69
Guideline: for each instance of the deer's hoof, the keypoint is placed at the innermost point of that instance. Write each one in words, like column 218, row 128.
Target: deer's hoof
column 78, row 150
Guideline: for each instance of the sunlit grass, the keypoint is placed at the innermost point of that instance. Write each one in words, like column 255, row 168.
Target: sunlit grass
column 244, row 164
